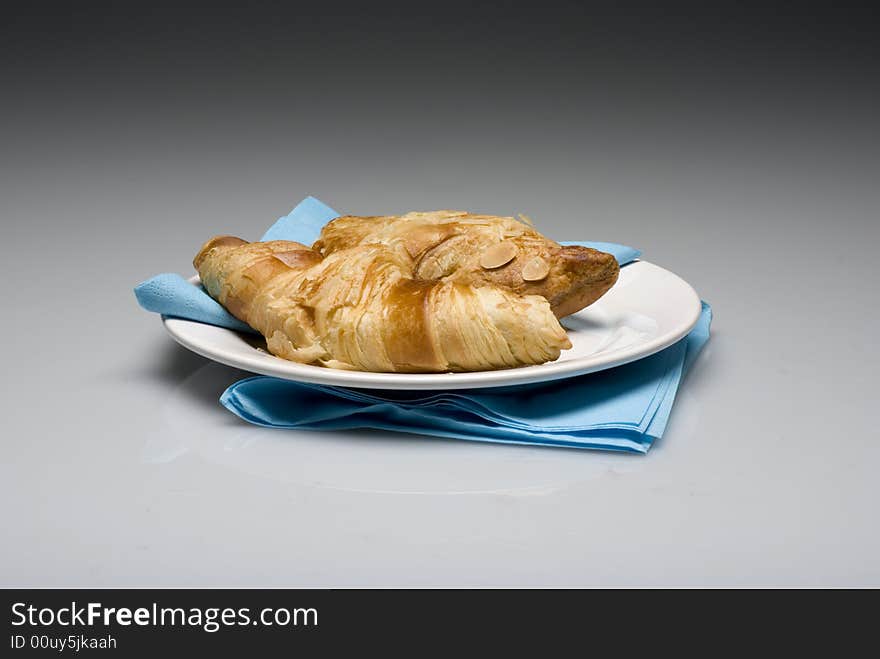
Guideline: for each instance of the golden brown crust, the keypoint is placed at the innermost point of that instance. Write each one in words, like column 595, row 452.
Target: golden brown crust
column 464, row 247
column 216, row 241
column 407, row 330
column 361, row 308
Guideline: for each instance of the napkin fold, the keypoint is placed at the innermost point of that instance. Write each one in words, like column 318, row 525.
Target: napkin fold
column 624, row 409
column 171, row 295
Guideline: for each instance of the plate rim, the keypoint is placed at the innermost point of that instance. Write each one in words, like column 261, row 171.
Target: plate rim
column 546, row 372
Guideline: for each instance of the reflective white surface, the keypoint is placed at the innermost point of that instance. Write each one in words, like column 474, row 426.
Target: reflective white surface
column 648, row 309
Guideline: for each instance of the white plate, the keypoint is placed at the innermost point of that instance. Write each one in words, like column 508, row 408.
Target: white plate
column 648, row 309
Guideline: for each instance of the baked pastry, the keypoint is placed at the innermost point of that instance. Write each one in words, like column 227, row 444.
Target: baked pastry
column 361, row 308
column 483, row 249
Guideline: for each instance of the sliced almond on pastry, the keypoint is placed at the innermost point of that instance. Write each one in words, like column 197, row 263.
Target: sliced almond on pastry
column 535, row 269
column 498, row 255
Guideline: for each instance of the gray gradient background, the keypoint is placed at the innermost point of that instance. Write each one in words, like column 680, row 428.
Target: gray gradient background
column 737, row 148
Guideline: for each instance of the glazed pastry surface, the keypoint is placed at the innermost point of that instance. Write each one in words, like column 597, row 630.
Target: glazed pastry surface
column 362, row 308
column 483, row 250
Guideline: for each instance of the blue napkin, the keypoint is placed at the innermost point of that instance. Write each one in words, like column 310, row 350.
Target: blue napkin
column 303, row 224
column 171, row 295
column 624, row 409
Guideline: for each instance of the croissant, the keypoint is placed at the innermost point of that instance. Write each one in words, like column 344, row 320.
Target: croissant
column 483, row 249
column 361, row 309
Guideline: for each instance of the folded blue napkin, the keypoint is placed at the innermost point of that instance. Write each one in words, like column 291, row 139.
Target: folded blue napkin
column 624, row 408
